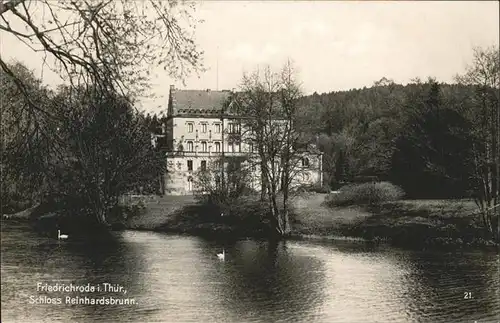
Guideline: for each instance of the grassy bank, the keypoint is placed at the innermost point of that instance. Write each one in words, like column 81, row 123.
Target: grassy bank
column 407, row 223
column 184, row 214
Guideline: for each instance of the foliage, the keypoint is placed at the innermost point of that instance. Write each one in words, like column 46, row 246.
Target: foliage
column 359, row 127
column 112, row 45
column 247, row 215
column 102, row 150
column 366, row 193
column 122, row 213
column 82, row 156
column 23, row 143
column 435, row 140
column 425, row 154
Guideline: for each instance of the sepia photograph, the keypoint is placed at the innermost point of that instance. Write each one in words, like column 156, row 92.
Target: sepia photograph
column 249, row 161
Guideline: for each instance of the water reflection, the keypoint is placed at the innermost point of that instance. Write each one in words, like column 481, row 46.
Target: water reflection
column 257, row 274
column 438, row 283
column 179, row 279
column 45, row 261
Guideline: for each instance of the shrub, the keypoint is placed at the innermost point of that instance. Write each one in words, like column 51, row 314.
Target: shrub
column 123, row 213
column 245, row 216
column 366, row 193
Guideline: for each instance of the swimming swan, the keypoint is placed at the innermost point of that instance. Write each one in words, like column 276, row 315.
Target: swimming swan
column 61, row 236
column 222, row 255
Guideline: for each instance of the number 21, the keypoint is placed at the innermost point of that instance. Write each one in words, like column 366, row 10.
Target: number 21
column 467, row 295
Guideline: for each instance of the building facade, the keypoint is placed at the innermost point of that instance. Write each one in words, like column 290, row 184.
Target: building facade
column 199, row 131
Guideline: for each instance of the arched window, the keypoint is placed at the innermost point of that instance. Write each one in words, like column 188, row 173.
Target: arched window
column 190, row 183
column 190, row 146
column 305, row 162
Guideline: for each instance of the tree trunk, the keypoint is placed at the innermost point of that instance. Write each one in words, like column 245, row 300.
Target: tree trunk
column 263, row 183
column 286, row 214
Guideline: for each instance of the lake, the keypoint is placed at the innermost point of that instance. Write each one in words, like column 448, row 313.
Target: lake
column 173, row 278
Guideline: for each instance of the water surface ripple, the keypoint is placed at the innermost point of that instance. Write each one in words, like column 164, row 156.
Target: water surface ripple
column 179, row 279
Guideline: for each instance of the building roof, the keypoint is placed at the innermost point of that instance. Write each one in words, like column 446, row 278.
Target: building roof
column 198, row 101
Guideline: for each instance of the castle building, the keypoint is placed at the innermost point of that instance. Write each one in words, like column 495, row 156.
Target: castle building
column 199, row 129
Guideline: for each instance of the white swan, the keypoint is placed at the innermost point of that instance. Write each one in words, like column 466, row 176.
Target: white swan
column 222, row 255
column 61, row 236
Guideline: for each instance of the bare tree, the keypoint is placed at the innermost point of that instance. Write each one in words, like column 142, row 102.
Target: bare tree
column 235, row 182
column 113, row 45
column 271, row 102
column 484, row 75
column 109, row 47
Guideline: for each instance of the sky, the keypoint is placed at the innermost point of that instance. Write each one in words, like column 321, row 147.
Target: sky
column 334, row 45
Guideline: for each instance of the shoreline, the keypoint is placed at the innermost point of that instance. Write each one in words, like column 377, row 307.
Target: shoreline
column 429, row 224
column 407, row 224
column 430, row 244
column 434, row 243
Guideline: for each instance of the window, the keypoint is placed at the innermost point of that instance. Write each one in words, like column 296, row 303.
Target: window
column 190, row 127
column 217, row 128
column 305, row 162
column 190, row 165
column 190, row 146
column 190, row 183
column 203, row 165
column 217, row 146
column 204, row 127
column 203, row 146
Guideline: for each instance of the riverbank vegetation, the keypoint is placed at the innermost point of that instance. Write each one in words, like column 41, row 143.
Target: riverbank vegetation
column 75, row 151
column 78, row 160
column 415, row 224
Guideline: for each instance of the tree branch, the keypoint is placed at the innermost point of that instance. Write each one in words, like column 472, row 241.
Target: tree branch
column 4, row 7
